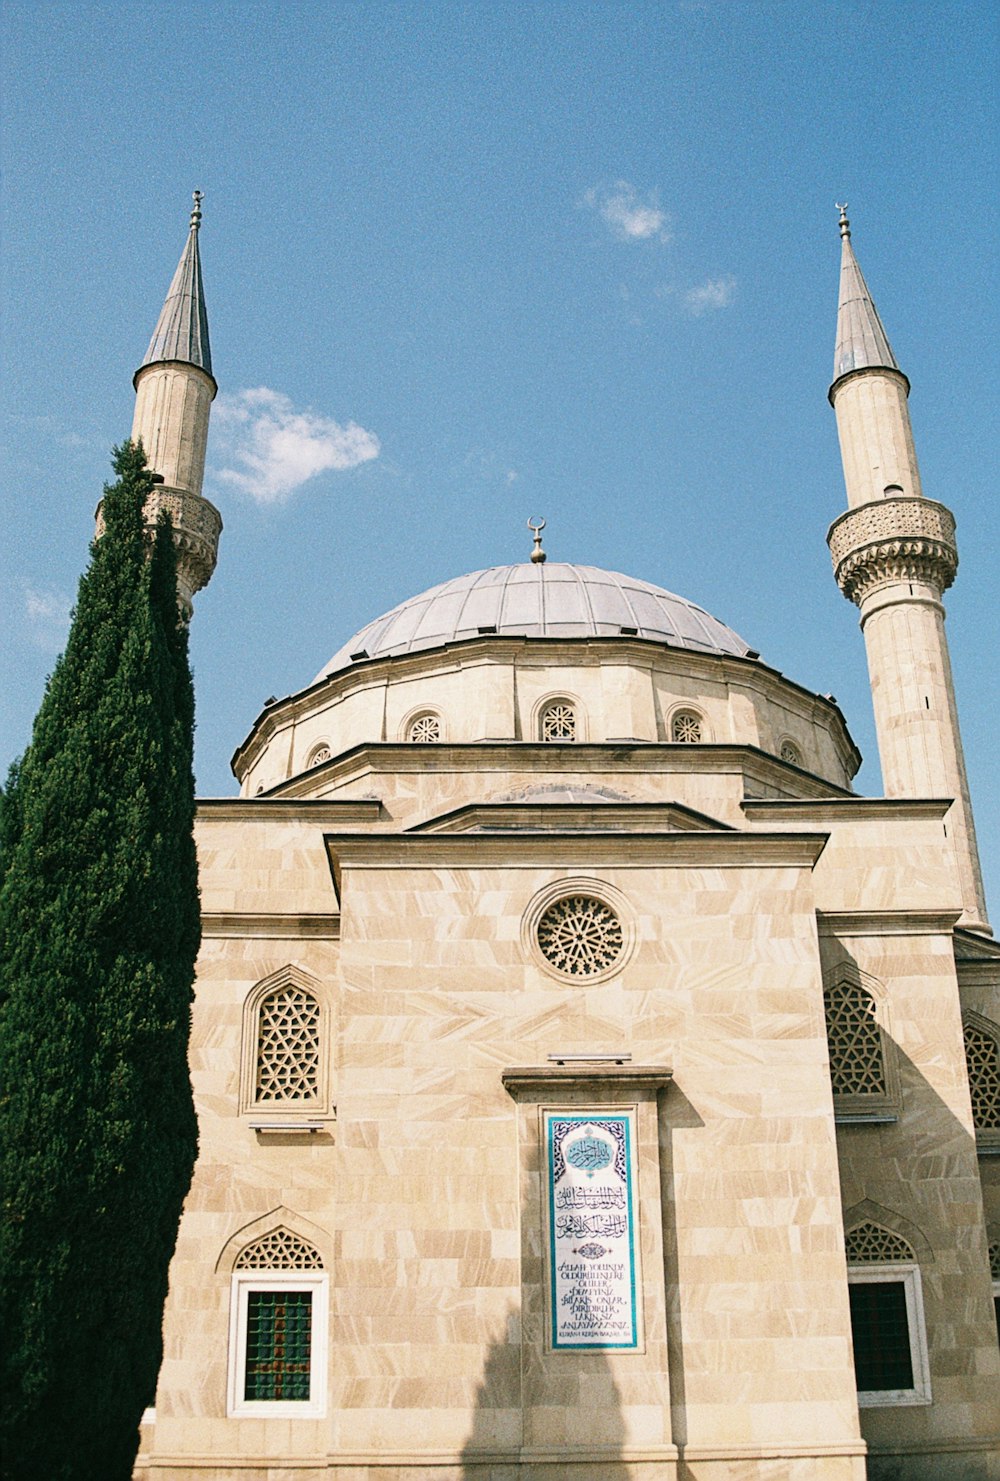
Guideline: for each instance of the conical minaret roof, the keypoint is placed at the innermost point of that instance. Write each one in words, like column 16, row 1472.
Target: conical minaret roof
column 862, row 343
column 181, row 331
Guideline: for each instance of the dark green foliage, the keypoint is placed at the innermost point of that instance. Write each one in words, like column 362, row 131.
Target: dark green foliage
column 99, row 927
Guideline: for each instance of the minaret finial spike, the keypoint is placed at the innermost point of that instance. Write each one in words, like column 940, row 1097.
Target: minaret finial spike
column 537, row 554
column 845, row 225
column 196, row 210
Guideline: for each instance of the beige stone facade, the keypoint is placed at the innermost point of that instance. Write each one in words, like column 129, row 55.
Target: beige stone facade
column 576, row 931
column 394, row 881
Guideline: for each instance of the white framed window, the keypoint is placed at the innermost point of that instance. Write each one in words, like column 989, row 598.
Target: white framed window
column 789, row 751
column 890, row 1343
column 319, row 754
column 887, row 1319
column 279, row 1324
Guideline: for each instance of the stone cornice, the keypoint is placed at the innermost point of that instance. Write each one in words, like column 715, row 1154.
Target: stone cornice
column 886, row 922
column 892, row 371
column 974, row 946
column 550, row 1079
column 638, row 757
column 893, row 540
column 577, row 817
column 525, row 850
column 274, row 927
column 812, row 809
column 322, row 810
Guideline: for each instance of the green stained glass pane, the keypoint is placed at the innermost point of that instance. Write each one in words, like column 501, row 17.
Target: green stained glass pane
column 279, row 1336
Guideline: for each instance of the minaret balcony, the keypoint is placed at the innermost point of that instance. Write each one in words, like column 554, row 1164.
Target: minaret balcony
column 893, row 540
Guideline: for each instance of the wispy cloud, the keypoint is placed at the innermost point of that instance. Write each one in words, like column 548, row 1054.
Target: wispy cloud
column 631, row 216
column 715, row 293
column 268, row 449
column 48, row 614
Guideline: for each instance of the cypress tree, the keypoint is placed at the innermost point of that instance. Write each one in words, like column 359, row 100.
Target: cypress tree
column 99, row 928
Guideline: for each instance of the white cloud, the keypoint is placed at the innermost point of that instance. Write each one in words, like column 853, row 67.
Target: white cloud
column 631, row 217
column 716, row 293
column 268, row 449
column 48, row 614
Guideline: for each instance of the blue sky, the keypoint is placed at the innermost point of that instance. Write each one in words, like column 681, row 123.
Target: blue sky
column 486, row 261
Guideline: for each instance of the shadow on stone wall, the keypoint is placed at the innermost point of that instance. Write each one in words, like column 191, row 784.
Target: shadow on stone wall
column 676, row 1113
column 920, row 1177
column 544, row 1415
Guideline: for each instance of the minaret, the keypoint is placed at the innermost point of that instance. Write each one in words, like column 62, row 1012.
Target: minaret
column 894, row 555
column 174, row 391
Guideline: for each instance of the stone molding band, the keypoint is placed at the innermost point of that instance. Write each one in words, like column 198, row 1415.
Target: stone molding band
column 893, row 540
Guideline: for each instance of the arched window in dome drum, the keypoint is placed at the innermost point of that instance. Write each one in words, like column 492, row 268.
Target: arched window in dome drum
column 559, row 721
column 425, row 729
column 686, row 728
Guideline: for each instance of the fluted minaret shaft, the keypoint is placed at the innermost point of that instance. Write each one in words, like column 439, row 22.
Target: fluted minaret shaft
column 894, row 555
column 174, row 391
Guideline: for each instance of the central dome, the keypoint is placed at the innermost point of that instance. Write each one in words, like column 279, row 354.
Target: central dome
column 549, row 600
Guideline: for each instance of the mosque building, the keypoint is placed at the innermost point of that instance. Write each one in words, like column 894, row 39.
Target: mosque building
column 591, row 1084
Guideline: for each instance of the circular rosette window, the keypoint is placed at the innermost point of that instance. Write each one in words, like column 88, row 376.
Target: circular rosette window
column 579, row 930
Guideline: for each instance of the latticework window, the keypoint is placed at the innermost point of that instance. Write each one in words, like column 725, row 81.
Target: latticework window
column 279, row 1250
column 288, row 1045
column 321, row 754
column 982, row 1055
column 857, row 1064
column 790, row 752
column 686, row 728
column 559, row 722
column 870, row 1244
column 995, row 1258
column 580, row 935
column 426, row 730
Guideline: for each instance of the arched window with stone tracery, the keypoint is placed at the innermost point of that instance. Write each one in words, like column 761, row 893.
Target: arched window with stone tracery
column 982, row 1058
column 686, row 728
column 861, row 1065
column 558, row 721
column 424, row 729
column 285, row 1034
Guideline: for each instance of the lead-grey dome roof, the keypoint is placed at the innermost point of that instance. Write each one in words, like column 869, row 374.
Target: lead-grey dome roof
column 538, row 601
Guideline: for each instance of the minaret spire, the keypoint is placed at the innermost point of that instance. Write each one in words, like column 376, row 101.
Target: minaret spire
column 181, row 331
column 174, row 391
column 894, row 555
column 861, row 340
